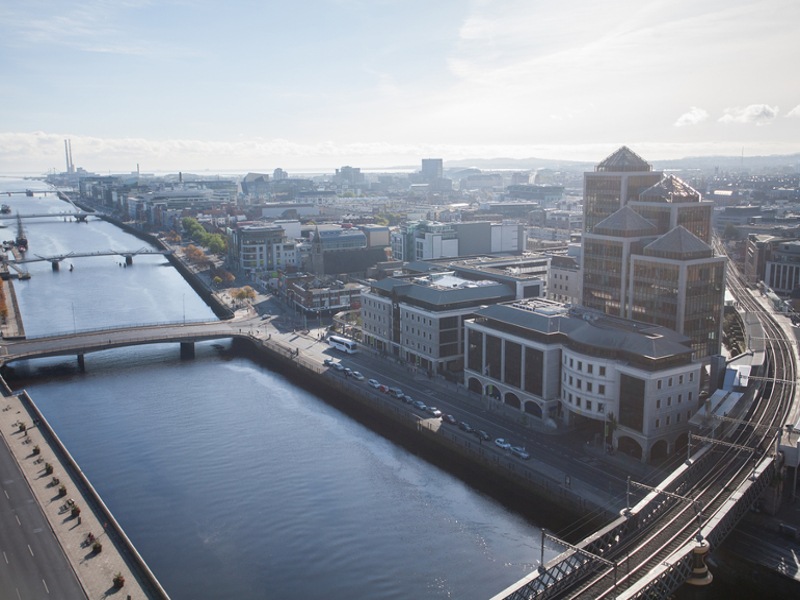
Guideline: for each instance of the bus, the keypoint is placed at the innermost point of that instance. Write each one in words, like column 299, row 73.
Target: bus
column 343, row 344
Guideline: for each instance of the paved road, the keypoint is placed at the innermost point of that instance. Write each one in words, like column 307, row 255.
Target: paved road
column 32, row 565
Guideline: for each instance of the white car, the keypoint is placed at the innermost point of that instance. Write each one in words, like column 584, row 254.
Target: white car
column 502, row 443
column 434, row 411
column 520, row 452
column 357, row 376
column 374, row 383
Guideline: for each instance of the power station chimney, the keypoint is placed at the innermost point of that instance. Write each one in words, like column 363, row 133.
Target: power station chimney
column 66, row 155
column 71, row 164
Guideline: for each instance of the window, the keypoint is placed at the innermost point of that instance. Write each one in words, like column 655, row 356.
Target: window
column 580, row 386
column 668, row 419
column 658, row 403
column 589, row 368
column 659, row 384
column 670, row 382
column 578, row 401
column 588, row 405
column 691, row 377
column 680, row 380
column 680, row 398
column 601, row 408
column 669, row 400
column 580, row 365
column 601, row 389
column 658, row 423
column 602, row 371
column 589, row 386
column 570, row 379
column 570, row 363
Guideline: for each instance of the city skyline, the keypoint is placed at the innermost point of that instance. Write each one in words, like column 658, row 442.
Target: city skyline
column 195, row 85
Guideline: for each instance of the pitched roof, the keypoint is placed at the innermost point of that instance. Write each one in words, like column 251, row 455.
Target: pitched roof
column 670, row 189
column 679, row 243
column 625, row 222
column 624, row 159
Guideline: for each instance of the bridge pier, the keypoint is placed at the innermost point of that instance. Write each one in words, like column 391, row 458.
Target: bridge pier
column 81, row 363
column 701, row 576
column 55, row 264
column 129, row 259
column 187, row 350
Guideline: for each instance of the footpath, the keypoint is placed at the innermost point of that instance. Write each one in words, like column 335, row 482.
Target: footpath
column 103, row 558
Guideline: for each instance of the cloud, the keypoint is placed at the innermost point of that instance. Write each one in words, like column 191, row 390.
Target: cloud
column 760, row 114
column 795, row 112
column 693, row 117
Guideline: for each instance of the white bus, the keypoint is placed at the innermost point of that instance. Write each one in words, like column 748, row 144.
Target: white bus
column 343, row 344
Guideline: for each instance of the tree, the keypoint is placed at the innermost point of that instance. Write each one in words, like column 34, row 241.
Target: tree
column 194, row 254
column 731, row 232
column 244, row 293
column 217, row 244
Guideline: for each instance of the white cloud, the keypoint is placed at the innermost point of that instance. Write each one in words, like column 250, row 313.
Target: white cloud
column 694, row 116
column 795, row 112
column 760, row 114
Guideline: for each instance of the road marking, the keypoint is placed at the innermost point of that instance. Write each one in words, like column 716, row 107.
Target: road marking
column 5, row 557
column 30, row 549
column 18, row 522
column 6, row 493
column 46, row 589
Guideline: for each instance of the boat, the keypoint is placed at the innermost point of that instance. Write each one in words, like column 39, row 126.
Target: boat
column 5, row 209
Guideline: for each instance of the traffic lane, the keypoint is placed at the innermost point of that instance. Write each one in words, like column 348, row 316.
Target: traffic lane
column 32, row 562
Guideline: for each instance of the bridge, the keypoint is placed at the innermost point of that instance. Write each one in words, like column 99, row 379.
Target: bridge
column 83, row 342
column 56, row 259
column 79, row 215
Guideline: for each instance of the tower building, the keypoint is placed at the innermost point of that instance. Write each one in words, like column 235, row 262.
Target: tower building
column 647, row 253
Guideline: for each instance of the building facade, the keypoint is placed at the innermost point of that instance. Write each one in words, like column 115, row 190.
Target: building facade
column 634, row 385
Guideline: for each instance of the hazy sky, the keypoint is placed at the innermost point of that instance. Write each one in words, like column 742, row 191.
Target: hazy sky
column 311, row 84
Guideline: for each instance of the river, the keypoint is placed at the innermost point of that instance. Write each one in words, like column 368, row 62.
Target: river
column 231, row 481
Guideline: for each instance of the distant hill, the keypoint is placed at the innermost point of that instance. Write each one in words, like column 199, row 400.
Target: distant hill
column 705, row 163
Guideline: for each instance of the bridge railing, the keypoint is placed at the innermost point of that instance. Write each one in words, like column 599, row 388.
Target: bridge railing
column 119, row 328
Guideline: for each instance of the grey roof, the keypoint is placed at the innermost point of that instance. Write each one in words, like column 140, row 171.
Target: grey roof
column 679, row 243
column 597, row 330
column 438, row 296
column 625, row 222
column 670, row 189
column 624, row 159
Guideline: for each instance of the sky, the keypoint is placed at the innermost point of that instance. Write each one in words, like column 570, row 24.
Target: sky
column 307, row 85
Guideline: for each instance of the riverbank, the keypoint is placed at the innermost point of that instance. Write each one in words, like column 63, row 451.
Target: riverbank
column 76, row 513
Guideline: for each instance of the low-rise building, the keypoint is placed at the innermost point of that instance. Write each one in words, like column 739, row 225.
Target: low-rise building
column 419, row 319
column 634, row 385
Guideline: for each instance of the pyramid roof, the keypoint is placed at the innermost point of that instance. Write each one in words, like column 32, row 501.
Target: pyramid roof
column 670, row 189
column 625, row 222
column 624, row 159
column 679, row 243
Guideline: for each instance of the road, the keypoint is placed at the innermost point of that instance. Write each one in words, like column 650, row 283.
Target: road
column 32, row 565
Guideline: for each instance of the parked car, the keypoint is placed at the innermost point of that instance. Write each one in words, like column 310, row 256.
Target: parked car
column 396, row 392
column 408, row 399
column 434, row 411
column 520, row 452
column 420, row 404
column 338, row 366
column 481, row 434
column 383, row 388
column 348, row 371
column 502, row 443
column 465, row 427
column 374, row 383
column 449, row 419
column 357, row 375
column 328, row 362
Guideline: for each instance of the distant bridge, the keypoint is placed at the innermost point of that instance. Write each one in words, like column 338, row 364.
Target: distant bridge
column 56, row 259
column 79, row 215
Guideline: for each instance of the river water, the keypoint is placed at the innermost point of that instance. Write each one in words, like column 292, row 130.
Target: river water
column 230, row 481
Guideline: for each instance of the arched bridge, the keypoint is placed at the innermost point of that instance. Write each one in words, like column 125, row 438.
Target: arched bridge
column 84, row 342
column 56, row 259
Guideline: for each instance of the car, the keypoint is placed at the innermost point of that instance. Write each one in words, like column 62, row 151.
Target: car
column 348, row 371
column 338, row 366
column 520, row 452
column 434, row 411
column 449, row 419
column 357, row 376
column 328, row 362
column 408, row 399
column 396, row 392
column 374, row 383
column 383, row 388
column 465, row 427
column 502, row 443
column 420, row 404
column 482, row 435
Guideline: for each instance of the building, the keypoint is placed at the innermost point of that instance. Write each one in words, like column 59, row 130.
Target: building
column 258, row 249
column 313, row 298
column 631, row 385
column 647, row 254
column 419, row 319
column 338, row 250
column 431, row 240
column 775, row 261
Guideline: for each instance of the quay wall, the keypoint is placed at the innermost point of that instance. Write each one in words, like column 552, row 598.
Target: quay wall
column 113, row 529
